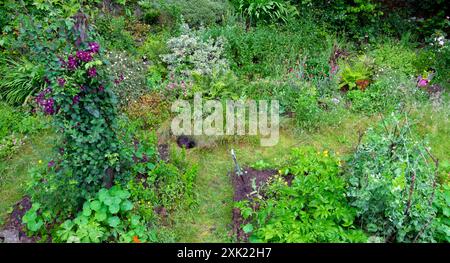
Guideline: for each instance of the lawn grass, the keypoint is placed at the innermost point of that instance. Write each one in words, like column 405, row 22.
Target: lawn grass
column 15, row 170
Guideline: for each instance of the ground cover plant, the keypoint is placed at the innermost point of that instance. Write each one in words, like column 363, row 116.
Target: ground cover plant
column 87, row 96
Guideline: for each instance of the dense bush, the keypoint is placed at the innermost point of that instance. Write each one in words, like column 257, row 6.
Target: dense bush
column 390, row 90
column 399, row 57
column 392, row 181
column 441, row 63
column 312, row 209
column 441, row 224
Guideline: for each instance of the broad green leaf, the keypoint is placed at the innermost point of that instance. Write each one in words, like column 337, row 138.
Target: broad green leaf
column 86, row 209
column 114, row 208
column 248, row 228
column 113, row 221
column 95, row 205
column 126, row 206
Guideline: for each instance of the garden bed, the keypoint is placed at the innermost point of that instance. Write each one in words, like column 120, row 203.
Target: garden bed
column 243, row 189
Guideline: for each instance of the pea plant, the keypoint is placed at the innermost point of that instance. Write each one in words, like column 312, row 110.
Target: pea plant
column 392, row 180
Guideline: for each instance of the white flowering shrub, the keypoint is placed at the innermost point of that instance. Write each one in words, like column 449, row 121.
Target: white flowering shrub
column 190, row 54
column 129, row 76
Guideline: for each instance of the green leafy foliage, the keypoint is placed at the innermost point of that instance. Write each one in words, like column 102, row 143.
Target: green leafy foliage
column 306, row 108
column 20, row 80
column 200, row 12
column 15, row 125
column 267, row 51
column 392, row 182
column 266, row 10
column 113, row 31
column 356, row 75
column 87, row 118
column 442, row 221
column 32, row 220
column 109, row 215
column 312, row 209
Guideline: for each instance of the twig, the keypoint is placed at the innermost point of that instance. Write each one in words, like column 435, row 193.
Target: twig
column 436, row 175
column 411, row 191
column 236, row 165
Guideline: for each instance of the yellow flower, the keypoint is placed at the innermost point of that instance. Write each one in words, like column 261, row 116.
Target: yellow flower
column 325, row 153
column 40, row 161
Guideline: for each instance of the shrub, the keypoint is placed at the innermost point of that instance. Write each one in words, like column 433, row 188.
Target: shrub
column 189, row 54
column 198, row 13
column 151, row 110
column 129, row 77
column 114, row 32
column 85, row 112
column 312, row 209
column 392, row 182
column 357, row 74
column 389, row 91
column 358, row 18
column 396, row 56
column 441, row 50
column 306, row 108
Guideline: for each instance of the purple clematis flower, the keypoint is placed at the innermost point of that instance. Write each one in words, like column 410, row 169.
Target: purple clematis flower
column 84, row 56
column 71, row 62
column 94, row 47
column 92, row 72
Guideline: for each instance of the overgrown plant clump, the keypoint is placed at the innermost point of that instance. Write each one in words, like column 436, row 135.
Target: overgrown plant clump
column 392, row 181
